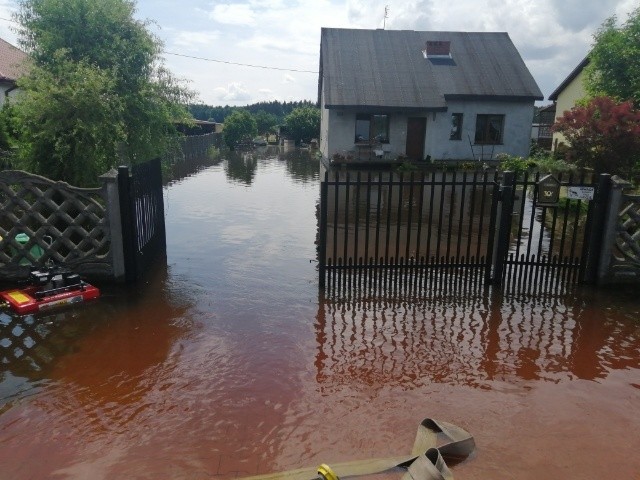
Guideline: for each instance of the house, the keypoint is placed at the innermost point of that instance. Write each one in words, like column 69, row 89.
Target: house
column 543, row 120
column 438, row 95
column 567, row 94
column 13, row 63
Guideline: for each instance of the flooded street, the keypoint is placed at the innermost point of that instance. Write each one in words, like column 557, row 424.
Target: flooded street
column 229, row 362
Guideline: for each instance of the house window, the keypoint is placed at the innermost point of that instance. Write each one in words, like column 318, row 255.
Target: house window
column 456, row 127
column 489, row 129
column 372, row 128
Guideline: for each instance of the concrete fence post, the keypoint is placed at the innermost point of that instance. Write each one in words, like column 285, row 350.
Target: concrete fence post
column 610, row 229
column 110, row 183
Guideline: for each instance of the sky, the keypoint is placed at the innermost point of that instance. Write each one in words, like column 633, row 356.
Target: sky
column 203, row 39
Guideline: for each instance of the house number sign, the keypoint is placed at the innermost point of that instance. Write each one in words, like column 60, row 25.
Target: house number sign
column 548, row 191
column 580, row 193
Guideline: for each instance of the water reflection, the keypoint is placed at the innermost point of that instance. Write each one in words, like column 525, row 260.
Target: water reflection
column 240, row 167
column 469, row 341
column 114, row 332
column 187, row 167
column 302, row 166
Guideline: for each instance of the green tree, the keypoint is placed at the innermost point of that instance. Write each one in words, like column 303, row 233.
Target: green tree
column 239, row 127
column 614, row 69
column 603, row 135
column 265, row 121
column 303, row 123
column 97, row 93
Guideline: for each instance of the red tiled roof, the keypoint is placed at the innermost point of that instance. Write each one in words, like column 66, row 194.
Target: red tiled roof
column 12, row 61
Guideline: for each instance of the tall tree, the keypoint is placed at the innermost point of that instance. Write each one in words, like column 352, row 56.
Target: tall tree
column 97, row 93
column 304, row 123
column 614, row 61
column 239, row 127
column 265, row 121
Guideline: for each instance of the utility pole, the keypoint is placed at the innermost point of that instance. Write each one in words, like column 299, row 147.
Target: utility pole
column 386, row 15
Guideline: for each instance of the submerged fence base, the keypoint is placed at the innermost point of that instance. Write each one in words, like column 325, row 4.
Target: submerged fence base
column 403, row 278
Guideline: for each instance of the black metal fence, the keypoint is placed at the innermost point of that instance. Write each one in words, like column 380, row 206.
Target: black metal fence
column 454, row 232
column 551, row 248
column 142, row 214
column 394, row 231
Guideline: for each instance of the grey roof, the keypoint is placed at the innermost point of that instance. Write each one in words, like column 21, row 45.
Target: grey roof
column 387, row 69
column 13, row 62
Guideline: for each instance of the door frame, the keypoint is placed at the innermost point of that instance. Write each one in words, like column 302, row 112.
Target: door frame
column 416, row 137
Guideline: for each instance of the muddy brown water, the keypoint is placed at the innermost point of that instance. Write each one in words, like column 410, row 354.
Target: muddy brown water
column 230, row 363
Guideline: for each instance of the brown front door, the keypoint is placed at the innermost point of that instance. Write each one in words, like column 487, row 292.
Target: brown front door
column 416, row 130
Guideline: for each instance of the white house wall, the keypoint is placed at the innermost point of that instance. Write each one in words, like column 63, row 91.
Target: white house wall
column 518, row 117
column 10, row 87
column 338, row 130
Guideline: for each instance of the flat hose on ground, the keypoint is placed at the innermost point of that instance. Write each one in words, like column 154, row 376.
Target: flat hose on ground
column 435, row 442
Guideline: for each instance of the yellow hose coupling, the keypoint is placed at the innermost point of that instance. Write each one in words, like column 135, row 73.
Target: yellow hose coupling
column 325, row 472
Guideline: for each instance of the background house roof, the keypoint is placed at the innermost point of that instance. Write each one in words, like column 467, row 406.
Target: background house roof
column 574, row 73
column 387, row 68
column 12, row 62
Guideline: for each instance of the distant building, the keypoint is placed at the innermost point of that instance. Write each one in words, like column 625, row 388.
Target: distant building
column 567, row 94
column 439, row 95
column 13, row 64
column 543, row 120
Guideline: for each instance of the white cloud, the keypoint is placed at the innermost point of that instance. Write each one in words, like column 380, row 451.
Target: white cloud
column 551, row 35
column 194, row 40
column 233, row 14
column 234, row 92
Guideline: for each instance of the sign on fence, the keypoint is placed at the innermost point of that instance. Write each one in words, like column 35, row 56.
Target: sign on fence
column 580, row 193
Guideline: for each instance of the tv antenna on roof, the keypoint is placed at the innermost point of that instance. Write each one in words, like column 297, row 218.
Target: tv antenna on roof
column 386, row 15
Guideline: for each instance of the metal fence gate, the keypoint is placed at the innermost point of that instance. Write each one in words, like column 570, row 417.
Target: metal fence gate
column 142, row 214
column 549, row 248
column 448, row 231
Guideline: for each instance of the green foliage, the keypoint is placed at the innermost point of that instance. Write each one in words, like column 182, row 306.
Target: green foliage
column 406, row 167
column 66, row 123
column 239, row 127
column 513, row 163
column 604, row 135
column 7, row 127
column 540, row 163
column 304, row 123
column 213, row 152
column 97, row 93
column 218, row 114
column 265, row 122
column 613, row 68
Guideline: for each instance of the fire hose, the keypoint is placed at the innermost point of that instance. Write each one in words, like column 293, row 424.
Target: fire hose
column 436, row 443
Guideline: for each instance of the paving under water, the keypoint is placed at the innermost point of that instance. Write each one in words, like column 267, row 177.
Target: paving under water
column 229, row 362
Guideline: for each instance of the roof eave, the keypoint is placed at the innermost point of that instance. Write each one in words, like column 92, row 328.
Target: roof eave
column 498, row 98
column 570, row 78
column 385, row 108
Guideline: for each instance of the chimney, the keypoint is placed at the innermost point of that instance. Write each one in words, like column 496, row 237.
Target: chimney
column 437, row 49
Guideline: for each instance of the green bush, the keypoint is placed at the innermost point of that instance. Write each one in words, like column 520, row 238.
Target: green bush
column 541, row 163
